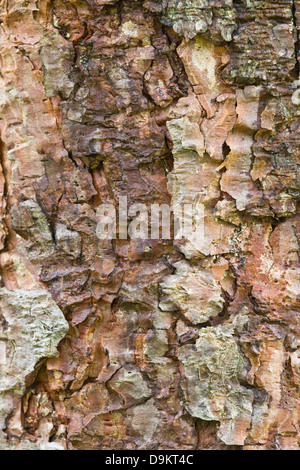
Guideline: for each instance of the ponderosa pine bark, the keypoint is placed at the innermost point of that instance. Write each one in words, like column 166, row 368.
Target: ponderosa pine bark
column 149, row 343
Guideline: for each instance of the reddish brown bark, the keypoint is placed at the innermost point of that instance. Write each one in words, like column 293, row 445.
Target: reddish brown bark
column 170, row 345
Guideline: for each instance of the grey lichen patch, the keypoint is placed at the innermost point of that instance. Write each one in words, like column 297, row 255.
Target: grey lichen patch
column 157, row 345
column 29, row 221
column 145, row 413
column 192, row 17
column 186, row 137
column 68, row 241
column 130, row 385
column 194, row 291
column 57, row 59
column 31, row 327
column 213, row 369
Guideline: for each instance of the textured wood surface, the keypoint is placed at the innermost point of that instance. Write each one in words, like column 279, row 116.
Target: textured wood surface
column 170, row 345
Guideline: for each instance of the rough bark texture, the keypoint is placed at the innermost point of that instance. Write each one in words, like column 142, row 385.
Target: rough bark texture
column 170, row 345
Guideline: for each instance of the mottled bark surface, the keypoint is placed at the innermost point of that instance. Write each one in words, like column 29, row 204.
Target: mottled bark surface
column 169, row 345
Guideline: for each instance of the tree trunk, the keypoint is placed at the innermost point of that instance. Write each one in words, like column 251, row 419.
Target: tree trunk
column 142, row 340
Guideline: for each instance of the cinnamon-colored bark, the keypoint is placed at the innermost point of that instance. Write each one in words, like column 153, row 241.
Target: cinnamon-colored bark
column 143, row 344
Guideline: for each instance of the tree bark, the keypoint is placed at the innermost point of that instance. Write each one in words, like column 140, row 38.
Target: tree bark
column 149, row 343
